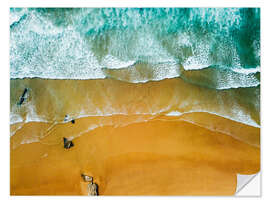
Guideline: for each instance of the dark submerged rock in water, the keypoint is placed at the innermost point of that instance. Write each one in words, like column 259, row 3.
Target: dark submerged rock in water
column 23, row 97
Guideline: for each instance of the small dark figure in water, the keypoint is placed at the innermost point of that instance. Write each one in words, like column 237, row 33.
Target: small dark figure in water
column 66, row 118
column 72, row 121
column 23, row 97
column 67, row 144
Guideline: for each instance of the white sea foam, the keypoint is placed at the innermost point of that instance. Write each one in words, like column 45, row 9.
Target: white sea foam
column 32, row 116
column 247, row 71
column 15, row 118
column 239, row 116
column 16, row 16
column 174, row 113
column 112, row 62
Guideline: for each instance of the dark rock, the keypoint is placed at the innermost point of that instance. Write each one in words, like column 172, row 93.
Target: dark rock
column 68, row 144
column 87, row 178
column 23, row 97
column 93, row 189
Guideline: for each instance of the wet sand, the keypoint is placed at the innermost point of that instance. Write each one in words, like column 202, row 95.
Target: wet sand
column 51, row 100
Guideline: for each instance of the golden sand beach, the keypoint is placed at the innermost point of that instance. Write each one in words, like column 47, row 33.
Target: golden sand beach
column 141, row 152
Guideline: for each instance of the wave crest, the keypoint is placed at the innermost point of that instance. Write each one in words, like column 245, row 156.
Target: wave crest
column 88, row 43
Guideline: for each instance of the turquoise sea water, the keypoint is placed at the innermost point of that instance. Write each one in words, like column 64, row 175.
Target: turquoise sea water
column 90, row 43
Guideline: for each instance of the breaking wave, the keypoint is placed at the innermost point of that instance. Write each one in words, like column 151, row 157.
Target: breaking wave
column 217, row 47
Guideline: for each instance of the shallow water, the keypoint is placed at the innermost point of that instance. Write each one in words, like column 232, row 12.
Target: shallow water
column 51, row 100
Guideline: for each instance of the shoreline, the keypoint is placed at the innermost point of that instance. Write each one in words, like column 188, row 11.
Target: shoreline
column 110, row 97
column 212, row 122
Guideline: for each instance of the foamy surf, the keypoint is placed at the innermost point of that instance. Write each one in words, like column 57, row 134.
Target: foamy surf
column 241, row 118
column 114, row 43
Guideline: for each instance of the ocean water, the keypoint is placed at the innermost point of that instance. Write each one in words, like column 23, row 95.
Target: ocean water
column 215, row 51
column 137, row 44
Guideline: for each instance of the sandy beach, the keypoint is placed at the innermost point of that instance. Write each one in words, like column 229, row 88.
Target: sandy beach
column 163, row 156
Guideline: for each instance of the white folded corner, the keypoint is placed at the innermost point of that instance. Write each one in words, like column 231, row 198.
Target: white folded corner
column 248, row 185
